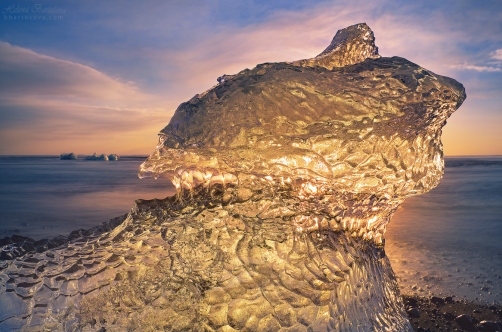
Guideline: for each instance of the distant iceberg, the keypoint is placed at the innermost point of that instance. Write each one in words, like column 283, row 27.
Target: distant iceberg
column 103, row 157
column 68, row 156
column 94, row 156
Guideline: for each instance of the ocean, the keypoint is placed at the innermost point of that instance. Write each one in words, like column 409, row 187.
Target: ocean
column 42, row 197
column 446, row 242
column 449, row 241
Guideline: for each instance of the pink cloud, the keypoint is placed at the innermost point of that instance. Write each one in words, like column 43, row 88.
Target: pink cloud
column 477, row 68
column 497, row 54
column 29, row 73
column 47, row 104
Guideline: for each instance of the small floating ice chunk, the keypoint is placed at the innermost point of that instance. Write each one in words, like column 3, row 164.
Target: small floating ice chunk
column 68, row 156
column 113, row 157
column 94, row 156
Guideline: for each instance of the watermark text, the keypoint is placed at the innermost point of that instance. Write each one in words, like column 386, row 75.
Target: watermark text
column 36, row 12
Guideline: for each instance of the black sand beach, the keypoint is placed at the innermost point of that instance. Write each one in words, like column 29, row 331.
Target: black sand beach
column 446, row 314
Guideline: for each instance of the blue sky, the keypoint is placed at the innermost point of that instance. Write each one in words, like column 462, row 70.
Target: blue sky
column 87, row 76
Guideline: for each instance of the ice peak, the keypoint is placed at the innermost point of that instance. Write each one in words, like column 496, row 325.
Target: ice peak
column 350, row 45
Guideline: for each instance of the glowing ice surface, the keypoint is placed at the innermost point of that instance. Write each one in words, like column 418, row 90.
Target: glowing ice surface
column 287, row 175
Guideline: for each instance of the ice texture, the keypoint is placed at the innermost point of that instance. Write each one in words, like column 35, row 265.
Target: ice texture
column 287, row 175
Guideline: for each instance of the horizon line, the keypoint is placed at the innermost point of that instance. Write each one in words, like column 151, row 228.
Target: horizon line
column 147, row 155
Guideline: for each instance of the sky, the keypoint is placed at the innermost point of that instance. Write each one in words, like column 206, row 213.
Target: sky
column 106, row 76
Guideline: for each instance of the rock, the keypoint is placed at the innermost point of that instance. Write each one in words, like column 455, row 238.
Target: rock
column 421, row 329
column 448, row 299
column 437, row 300
column 488, row 326
column 465, row 322
column 411, row 302
column 413, row 313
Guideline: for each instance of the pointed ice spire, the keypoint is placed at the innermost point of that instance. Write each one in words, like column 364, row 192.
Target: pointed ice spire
column 351, row 45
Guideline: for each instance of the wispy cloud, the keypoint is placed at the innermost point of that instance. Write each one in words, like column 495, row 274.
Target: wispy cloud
column 64, row 103
column 25, row 72
column 477, row 68
column 497, row 54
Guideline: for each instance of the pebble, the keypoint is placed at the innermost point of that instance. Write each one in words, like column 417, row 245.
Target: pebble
column 411, row 302
column 465, row 322
column 421, row 329
column 437, row 300
column 414, row 313
column 488, row 326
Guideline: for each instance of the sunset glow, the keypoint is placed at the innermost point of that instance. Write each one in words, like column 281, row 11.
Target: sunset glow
column 107, row 78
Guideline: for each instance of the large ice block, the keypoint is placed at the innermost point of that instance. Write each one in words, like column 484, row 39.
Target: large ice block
column 287, row 175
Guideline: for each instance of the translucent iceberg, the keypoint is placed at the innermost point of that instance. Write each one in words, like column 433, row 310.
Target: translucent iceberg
column 68, row 156
column 102, row 157
column 287, row 175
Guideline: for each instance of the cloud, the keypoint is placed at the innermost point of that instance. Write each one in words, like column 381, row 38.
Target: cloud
column 27, row 73
column 53, row 126
column 497, row 54
column 285, row 36
column 62, row 103
column 434, row 40
column 293, row 35
column 477, row 68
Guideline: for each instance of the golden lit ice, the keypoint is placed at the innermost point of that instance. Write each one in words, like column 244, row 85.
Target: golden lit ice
column 287, row 175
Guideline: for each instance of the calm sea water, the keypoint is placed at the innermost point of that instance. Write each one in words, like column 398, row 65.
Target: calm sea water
column 43, row 197
column 448, row 241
